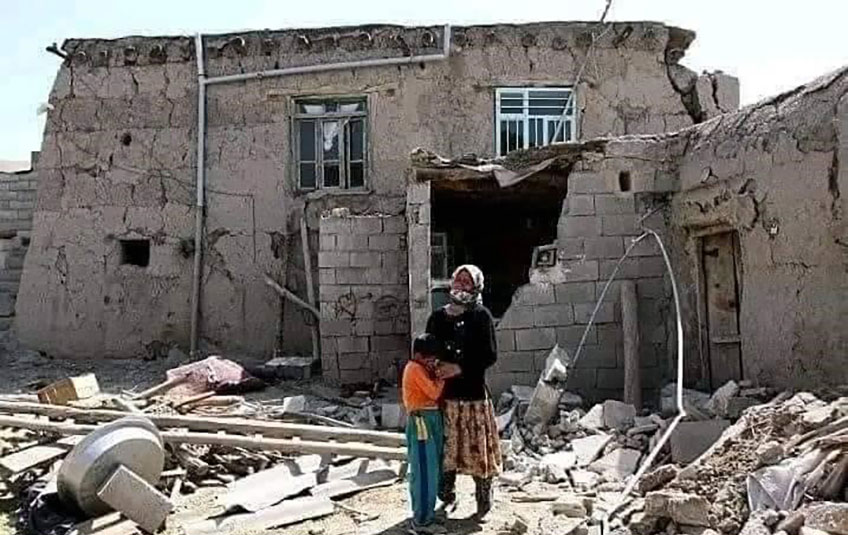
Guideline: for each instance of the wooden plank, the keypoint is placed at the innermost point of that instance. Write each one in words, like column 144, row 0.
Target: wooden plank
column 266, row 428
column 288, row 294
column 310, row 287
column 354, row 449
column 161, row 387
column 630, row 328
column 33, row 457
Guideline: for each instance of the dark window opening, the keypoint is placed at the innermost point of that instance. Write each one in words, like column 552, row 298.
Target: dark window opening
column 493, row 228
column 135, row 253
column 624, row 182
column 331, row 143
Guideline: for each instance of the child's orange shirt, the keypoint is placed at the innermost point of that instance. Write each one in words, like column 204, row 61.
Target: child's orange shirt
column 420, row 391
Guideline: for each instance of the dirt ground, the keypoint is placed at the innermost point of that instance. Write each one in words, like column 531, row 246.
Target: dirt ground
column 392, row 506
column 25, row 371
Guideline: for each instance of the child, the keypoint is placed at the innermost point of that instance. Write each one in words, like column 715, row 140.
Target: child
column 424, row 433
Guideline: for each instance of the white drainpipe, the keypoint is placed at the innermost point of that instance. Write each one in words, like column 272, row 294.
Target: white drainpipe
column 203, row 81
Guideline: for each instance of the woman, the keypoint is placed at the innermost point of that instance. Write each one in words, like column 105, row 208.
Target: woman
column 466, row 333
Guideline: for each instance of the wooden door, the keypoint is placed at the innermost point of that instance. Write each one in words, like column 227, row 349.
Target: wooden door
column 721, row 289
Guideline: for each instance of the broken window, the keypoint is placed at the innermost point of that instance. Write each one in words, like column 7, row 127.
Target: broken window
column 135, row 252
column 330, row 143
column 530, row 117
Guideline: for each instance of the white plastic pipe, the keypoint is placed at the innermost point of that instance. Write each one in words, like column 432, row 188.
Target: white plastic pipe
column 200, row 195
column 203, row 81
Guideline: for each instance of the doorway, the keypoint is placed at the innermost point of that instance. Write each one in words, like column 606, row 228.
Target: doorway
column 721, row 296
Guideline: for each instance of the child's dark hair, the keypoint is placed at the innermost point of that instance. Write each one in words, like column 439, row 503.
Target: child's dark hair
column 426, row 344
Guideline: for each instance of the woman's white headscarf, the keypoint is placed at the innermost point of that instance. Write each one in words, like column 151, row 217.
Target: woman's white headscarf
column 475, row 296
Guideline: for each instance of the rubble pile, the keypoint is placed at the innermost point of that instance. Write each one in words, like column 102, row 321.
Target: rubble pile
column 780, row 469
column 255, row 464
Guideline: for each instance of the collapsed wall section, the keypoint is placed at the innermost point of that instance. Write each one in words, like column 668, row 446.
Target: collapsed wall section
column 363, row 293
column 610, row 197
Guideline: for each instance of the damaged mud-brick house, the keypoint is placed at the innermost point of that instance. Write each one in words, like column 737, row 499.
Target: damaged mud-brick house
column 253, row 194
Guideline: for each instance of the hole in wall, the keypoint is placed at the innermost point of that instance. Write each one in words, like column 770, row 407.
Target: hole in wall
column 126, row 139
column 624, row 181
column 135, row 253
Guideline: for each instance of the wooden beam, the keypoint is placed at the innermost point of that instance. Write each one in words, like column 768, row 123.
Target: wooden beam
column 310, row 288
column 210, row 423
column 288, row 294
column 299, row 447
column 161, row 387
column 630, row 327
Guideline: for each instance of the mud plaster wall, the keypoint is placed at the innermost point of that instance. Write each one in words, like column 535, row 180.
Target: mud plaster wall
column 776, row 173
column 598, row 223
column 118, row 162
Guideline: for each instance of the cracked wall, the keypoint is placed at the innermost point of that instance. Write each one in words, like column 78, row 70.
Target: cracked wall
column 773, row 172
column 118, row 161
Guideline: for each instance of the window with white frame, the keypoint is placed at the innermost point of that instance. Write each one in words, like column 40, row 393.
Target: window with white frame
column 330, row 143
column 530, row 117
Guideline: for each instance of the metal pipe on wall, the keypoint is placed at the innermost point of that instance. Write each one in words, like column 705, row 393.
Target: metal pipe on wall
column 200, row 195
column 203, row 81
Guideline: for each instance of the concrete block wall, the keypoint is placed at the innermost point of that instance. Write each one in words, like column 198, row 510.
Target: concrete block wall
column 596, row 226
column 17, row 202
column 363, row 292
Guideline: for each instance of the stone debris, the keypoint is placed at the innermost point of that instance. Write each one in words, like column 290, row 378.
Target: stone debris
column 691, row 439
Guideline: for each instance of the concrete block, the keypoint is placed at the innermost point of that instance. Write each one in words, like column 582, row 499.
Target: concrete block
column 418, row 193
column 517, row 317
column 7, row 304
column 646, row 247
column 618, row 415
column 366, row 225
column 515, row 361
column 570, row 336
column 505, row 339
column 394, row 225
column 532, row 339
column 579, row 226
column 335, row 225
column 353, row 344
column 326, row 276
column 354, row 361
column 651, row 266
column 618, row 464
column 389, row 343
column 553, row 315
column 336, row 327
column 330, row 259
column 602, row 356
column 611, row 379
column 583, row 380
column 364, row 259
column 353, row 377
column 351, row 242
column 620, row 225
column 686, row 509
column 581, row 271
column 586, row 182
column 570, row 247
column 691, row 439
column 615, row 204
column 136, row 499
column 574, row 292
column 604, row 247
column 354, row 275
column 544, row 404
column 534, row 294
column 579, row 205
column 588, row 449
column 583, row 311
column 384, row 242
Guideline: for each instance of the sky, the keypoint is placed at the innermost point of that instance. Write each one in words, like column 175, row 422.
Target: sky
column 771, row 45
